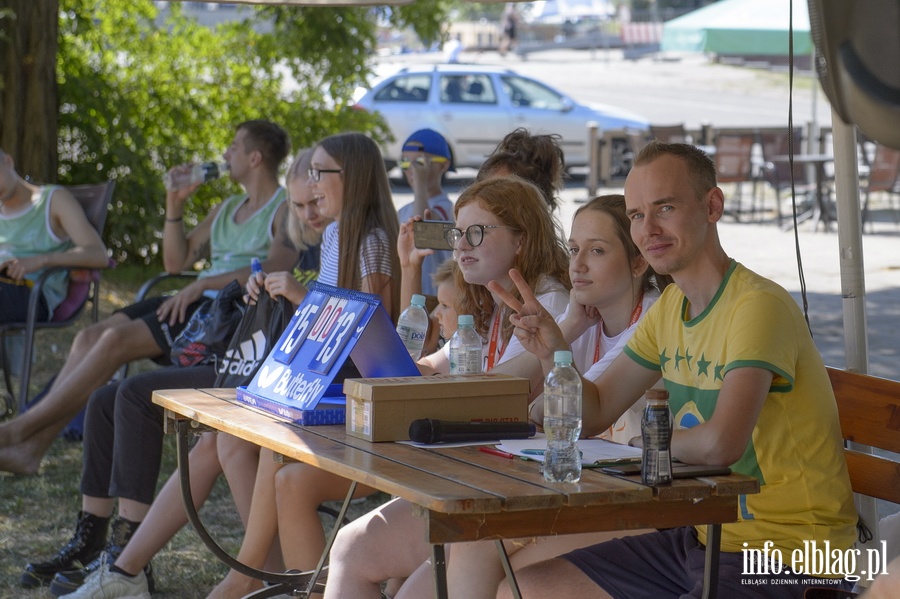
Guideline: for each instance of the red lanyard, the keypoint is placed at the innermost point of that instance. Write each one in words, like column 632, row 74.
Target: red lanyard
column 635, row 316
column 493, row 355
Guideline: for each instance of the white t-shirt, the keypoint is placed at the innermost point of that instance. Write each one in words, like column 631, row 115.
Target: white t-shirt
column 552, row 295
column 629, row 424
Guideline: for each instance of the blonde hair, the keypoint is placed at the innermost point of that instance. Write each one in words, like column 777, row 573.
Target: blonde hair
column 518, row 204
column 301, row 235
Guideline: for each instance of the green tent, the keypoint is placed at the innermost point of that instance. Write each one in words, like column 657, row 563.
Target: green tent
column 740, row 28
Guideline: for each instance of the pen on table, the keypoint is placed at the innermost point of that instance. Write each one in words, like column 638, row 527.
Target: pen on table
column 496, row 452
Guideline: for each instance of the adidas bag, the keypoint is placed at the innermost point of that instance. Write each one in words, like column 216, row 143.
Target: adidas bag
column 259, row 330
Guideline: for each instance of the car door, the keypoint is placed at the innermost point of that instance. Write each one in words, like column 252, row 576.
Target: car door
column 541, row 109
column 472, row 117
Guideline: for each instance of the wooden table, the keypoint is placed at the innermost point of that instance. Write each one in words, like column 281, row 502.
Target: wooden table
column 467, row 495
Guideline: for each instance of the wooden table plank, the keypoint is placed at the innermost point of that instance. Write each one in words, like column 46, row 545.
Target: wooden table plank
column 434, row 491
column 450, row 528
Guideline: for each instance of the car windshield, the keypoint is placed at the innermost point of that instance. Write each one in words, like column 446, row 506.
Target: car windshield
column 406, row 88
column 527, row 93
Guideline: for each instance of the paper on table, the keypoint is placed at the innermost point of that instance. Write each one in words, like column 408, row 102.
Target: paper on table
column 594, row 452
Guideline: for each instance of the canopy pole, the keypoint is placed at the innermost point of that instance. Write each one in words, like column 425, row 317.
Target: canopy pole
column 853, row 283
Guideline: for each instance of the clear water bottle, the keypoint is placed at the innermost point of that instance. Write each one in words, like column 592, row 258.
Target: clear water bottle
column 413, row 326
column 562, row 421
column 465, row 347
column 198, row 173
column 656, row 434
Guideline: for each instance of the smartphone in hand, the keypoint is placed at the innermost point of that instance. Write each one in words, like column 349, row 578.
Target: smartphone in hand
column 429, row 234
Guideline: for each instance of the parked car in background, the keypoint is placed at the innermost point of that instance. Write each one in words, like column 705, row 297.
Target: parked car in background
column 474, row 107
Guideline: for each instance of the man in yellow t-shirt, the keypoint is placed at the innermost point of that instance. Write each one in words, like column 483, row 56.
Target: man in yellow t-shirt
column 747, row 389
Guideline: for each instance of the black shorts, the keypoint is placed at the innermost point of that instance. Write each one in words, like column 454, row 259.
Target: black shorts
column 162, row 333
column 669, row 564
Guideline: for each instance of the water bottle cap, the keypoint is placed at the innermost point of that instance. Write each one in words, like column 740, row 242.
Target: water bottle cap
column 464, row 320
column 418, row 300
column 656, row 394
column 564, row 356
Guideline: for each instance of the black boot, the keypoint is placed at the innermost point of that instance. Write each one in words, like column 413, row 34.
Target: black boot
column 84, row 546
column 68, row 581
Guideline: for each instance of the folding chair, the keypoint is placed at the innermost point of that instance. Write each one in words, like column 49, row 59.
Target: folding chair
column 84, row 287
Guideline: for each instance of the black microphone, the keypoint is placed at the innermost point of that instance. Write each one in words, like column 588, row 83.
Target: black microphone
column 426, row 430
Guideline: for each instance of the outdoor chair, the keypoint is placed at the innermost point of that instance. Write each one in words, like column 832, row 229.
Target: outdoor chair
column 778, row 174
column 669, row 133
column 884, row 172
column 84, row 288
column 637, row 140
column 734, row 164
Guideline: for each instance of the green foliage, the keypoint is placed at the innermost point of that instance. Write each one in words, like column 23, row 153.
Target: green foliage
column 138, row 95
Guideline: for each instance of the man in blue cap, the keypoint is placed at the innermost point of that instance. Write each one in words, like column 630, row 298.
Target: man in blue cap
column 424, row 159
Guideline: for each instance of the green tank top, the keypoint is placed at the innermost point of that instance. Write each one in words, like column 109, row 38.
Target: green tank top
column 233, row 245
column 30, row 234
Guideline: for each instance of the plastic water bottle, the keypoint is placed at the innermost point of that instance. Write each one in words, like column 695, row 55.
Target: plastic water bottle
column 656, row 434
column 465, row 347
column 199, row 173
column 413, row 326
column 562, row 421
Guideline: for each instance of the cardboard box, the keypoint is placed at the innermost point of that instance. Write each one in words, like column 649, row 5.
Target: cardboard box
column 381, row 409
column 330, row 409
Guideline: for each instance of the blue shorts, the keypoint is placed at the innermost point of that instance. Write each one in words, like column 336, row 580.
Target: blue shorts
column 670, row 564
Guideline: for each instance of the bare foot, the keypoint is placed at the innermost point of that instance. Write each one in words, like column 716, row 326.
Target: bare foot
column 20, row 459
column 235, row 586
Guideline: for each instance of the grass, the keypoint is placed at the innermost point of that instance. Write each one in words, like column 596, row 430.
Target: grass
column 37, row 513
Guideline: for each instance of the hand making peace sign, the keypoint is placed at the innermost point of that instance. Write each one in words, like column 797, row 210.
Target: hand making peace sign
column 535, row 327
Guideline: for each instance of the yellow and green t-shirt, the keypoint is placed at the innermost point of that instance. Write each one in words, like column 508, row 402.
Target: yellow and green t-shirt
column 795, row 449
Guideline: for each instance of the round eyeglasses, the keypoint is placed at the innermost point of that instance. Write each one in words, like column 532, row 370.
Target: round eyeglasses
column 316, row 173
column 474, row 234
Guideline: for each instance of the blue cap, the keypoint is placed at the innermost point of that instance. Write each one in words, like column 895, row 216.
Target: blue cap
column 430, row 142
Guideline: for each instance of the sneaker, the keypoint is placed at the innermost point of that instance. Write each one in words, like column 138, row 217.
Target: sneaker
column 67, row 582
column 86, row 544
column 103, row 584
column 70, row 579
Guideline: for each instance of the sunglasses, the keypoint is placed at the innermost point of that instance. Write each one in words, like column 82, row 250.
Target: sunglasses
column 422, row 160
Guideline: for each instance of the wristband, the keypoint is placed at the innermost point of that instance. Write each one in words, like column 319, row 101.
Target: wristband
column 174, row 220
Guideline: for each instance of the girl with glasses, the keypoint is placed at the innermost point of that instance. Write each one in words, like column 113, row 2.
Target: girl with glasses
column 348, row 179
column 505, row 224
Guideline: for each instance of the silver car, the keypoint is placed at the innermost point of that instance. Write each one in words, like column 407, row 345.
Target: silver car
column 474, row 107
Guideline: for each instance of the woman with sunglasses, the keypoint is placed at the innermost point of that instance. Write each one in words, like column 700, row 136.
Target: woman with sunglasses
column 348, row 179
column 501, row 223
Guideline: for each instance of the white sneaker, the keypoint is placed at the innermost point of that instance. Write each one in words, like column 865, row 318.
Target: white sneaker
column 103, row 584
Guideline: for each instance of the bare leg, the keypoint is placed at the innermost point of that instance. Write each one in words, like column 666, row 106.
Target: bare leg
column 262, row 526
column 166, row 516
column 299, row 490
column 474, row 570
column 388, row 542
column 25, row 440
column 554, row 578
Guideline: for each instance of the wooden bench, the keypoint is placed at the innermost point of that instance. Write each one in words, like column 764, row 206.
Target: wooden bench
column 869, row 410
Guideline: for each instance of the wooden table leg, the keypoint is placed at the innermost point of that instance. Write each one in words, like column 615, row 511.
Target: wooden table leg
column 507, row 568
column 711, row 566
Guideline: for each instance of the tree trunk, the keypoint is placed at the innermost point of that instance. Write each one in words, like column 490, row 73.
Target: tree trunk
column 28, row 91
